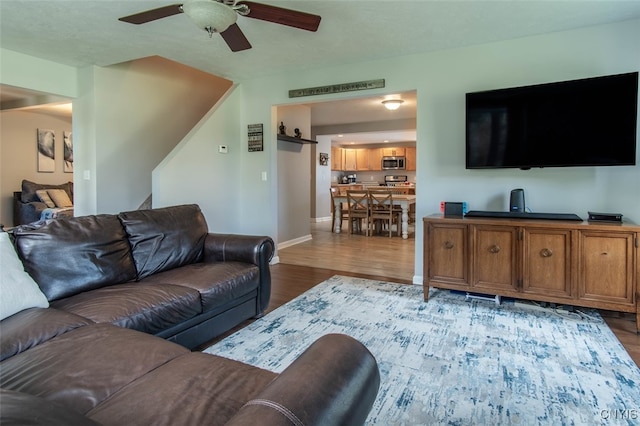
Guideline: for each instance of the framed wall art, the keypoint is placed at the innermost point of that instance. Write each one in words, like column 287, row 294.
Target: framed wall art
column 46, row 151
column 67, row 165
column 324, row 159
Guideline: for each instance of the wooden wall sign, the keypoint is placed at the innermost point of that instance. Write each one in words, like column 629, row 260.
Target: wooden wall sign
column 254, row 132
column 337, row 88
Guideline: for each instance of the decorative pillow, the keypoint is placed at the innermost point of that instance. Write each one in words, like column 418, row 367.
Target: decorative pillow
column 44, row 197
column 60, row 197
column 19, row 291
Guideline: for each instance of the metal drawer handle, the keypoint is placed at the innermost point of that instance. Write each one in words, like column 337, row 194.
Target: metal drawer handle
column 494, row 249
column 546, row 252
column 448, row 245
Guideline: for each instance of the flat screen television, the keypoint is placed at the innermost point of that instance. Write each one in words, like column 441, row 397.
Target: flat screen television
column 587, row 122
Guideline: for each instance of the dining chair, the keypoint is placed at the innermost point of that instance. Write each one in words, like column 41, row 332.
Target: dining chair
column 344, row 211
column 358, row 203
column 381, row 210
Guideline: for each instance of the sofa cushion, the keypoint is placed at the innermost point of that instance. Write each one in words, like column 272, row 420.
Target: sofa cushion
column 34, row 326
column 204, row 390
column 17, row 288
column 142, row 307
column 218, row 283
column 18, row 408
column 85, row 366
column 71, row 255
column 29, row 190
column 165, row 238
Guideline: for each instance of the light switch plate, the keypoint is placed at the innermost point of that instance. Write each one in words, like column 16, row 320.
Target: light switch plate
column 222, row 149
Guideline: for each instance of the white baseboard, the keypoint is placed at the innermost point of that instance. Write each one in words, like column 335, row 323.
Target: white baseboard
column 321, row 219
column 417, row 279
column 293, row 242
column 275, row 260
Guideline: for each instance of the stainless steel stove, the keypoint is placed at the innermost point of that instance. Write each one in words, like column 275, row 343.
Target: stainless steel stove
column 395, row 180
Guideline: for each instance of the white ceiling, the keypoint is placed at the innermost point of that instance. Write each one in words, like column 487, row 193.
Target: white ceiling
column 87, row 32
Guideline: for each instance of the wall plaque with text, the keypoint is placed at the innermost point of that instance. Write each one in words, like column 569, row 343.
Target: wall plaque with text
column 337, row 88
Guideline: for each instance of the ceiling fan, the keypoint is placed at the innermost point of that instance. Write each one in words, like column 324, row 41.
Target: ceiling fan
column 219, row 16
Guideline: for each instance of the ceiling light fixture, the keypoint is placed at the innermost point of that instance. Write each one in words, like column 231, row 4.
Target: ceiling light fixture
column 211, row 16
column 392, row 104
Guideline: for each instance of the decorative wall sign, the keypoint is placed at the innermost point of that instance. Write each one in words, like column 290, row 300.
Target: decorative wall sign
column 337, row 88
column 255, row 135
column 46, row 151
column 324, row 159
column 67, row 139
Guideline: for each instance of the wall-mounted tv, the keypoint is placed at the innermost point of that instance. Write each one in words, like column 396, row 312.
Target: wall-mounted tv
column 587, row 122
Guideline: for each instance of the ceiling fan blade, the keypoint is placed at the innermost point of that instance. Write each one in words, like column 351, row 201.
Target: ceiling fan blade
column 279, row 15
column 235, row 38
column 153, row 14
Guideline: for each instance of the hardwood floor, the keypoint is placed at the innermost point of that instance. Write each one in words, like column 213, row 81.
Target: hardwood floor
column 379, row 257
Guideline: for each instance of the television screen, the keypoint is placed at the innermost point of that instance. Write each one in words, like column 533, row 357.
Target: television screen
column 588, row 122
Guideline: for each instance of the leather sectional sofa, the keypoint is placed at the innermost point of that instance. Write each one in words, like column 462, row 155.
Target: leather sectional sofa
column 121, row 290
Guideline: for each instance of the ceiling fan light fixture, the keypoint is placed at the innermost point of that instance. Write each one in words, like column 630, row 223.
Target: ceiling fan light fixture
column 209, row 15
column 392, row 104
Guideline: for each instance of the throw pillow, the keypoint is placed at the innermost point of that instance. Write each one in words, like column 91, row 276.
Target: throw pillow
column 18, row 289
column 44, row 197
column 29, row 189
column 60, row 197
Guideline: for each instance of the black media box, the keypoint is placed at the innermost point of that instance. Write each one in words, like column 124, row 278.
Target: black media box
column 605, row 217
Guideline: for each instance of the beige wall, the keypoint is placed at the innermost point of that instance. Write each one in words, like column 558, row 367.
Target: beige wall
column 18, row 150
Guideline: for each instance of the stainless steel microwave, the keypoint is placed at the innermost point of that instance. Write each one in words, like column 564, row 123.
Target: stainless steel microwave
column 394, row 163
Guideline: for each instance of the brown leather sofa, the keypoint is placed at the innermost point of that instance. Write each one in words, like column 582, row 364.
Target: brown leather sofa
column 114, row 281
column 158, row 271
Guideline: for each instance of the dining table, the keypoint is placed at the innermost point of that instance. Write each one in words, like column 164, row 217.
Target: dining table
column 403, row 200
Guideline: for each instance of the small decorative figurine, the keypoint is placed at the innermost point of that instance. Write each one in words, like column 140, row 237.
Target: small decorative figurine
column 283, row 129
column 297, row 132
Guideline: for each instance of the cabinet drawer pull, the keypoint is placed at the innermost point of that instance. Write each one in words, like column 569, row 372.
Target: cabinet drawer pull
column 546, row 252
column 494, row 249
column 448, row 245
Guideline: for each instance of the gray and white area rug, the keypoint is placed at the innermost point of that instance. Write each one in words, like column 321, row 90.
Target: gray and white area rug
column 456, row 361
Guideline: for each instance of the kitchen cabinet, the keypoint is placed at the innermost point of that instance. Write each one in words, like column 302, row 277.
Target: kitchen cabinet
column 356, row 159
column 375, row 159
column 362, row 159
column 393, row 152
column 573, row 263
column 337, row 161
column 410, row 154
column 350, row 160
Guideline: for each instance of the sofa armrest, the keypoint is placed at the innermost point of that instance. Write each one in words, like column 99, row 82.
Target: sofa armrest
column 24, row 213
column 241, row 248
column 334, row 382
column 257, row 250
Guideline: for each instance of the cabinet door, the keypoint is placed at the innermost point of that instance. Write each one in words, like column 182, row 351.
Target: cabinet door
column 349, row 160
column 336, row 158
column 362, row 159
column 446, row 253
column 606, row 268
column 411, row 158
column 375, row 159
column 495, row 265
column 546, row 257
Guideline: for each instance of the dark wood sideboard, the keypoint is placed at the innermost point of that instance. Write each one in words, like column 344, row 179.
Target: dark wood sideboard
column 573, row 263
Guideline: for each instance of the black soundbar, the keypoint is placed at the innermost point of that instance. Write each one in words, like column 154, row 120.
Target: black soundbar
column 523, row 215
